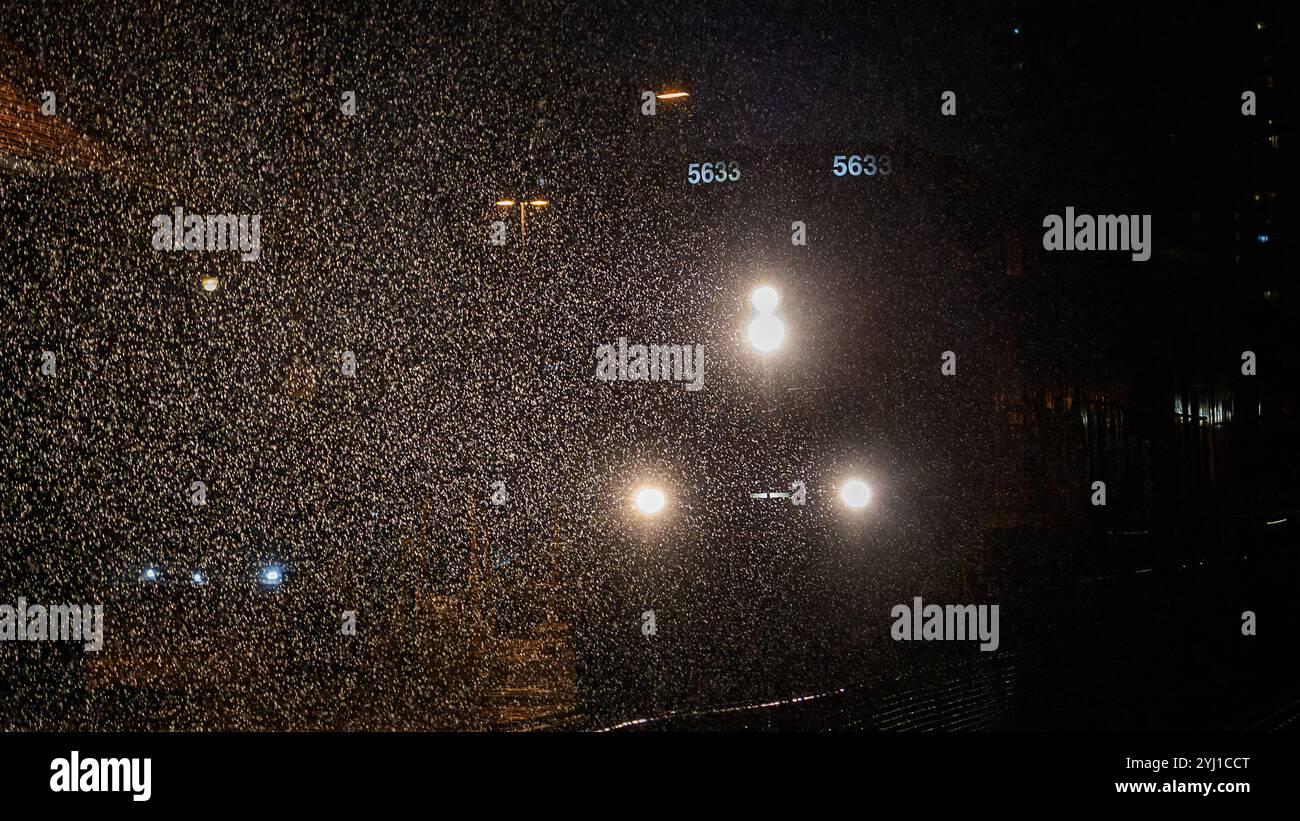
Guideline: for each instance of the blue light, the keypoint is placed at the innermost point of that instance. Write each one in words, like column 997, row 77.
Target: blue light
column 1263, row 239
column 1015, row 29
column 150, row 574
column 271, row 575
column 197, row 578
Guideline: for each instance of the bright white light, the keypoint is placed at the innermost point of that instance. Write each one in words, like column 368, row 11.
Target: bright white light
column 211, row 283
column 764, row 299
column 766, row 333
column 197, row 577
column 150, row 574
column 650, row 500
column 271, row 576
column 855, row 493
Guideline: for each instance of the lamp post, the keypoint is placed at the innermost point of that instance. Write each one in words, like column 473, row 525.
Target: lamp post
column 523, row 205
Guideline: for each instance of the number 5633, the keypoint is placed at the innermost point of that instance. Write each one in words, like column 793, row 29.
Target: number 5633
column 868, row 165
column 706, row 172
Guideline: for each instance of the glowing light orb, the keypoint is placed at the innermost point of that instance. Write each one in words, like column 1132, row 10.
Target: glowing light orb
column 855, row 493
column 766, row 333
column 271, row 576
column 764, row 299
column 650, row 500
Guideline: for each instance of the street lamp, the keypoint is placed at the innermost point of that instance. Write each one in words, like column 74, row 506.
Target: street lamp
column 855, row 493
column 536, row 203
